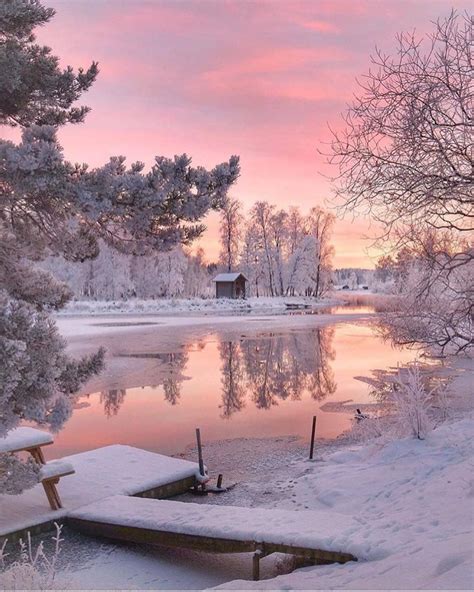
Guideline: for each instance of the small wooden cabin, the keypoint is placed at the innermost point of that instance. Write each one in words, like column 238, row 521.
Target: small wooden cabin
column 230, row 285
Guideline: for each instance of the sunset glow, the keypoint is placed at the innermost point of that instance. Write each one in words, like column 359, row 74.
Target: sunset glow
column 257, row 79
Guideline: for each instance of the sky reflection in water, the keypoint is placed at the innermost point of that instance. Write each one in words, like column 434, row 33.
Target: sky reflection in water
column 265, row 386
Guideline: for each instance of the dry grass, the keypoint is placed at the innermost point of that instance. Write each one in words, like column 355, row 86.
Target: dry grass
column 380, row 302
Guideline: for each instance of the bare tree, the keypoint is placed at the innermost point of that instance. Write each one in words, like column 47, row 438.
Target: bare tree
column 406, row 153
column 406, row 157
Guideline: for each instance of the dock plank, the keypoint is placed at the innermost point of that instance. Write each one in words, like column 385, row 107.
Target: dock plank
column 99, row 473
column 324, row 536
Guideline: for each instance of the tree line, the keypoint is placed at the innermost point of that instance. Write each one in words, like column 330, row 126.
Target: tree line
column 281, row 252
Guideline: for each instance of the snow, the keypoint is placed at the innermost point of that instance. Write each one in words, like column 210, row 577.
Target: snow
column 23, row 438
column 55, row 468
column 323, row 530
column 415, row 500
column 188, row 305
column 98, row 473
column 228, row 277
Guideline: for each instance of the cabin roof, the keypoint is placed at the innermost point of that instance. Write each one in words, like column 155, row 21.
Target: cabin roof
column 228, row 277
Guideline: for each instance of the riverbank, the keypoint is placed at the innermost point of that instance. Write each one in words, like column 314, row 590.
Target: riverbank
column 171, row 306
column 416, row 497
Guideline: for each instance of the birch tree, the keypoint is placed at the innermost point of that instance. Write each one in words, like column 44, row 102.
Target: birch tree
column 230, row 231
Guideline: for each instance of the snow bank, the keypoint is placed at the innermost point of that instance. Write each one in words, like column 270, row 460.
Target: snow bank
column 187, row 305
column 415, row 500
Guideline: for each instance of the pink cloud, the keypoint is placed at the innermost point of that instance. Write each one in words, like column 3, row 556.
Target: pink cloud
column 321, row 26
column 257, row 78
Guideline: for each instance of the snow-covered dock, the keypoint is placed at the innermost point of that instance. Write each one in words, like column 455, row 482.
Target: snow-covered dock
column 318, row 536
column 98, row 474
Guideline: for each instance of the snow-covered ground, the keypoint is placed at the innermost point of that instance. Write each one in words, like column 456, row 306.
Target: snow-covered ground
column 169, row 306
column 416, row 498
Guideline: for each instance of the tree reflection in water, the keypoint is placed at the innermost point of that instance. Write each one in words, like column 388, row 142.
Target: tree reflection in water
column 233, row 378
column 175, row 363
column 112, row 400
column 266, row 369
column 277, row 367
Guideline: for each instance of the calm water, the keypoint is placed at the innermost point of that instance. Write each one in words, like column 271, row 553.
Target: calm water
column 254, row 387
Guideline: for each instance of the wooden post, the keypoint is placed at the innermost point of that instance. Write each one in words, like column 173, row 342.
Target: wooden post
column 313, row 433
column 219, row 481
column 201, row 462
column 256, row 564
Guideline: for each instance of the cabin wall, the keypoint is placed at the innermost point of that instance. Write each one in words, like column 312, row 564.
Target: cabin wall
column 224, row 289
column 239, row 289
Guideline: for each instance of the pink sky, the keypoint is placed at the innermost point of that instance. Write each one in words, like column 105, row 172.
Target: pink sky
column 215, row 78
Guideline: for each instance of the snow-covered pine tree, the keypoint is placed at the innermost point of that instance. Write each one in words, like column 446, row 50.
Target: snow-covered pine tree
column 50, row 206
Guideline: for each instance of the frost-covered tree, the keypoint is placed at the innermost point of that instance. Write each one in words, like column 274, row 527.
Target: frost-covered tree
column 252, row 261
column 405, row 157
column 287, row 253
column 320, row 225
column 118, row 276
column 50, row 206
column 261, row 217
column 198, row 275
column 230, row 232
column 434, row 303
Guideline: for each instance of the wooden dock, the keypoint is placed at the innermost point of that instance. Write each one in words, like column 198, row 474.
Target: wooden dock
column 99, row 474
column 297, row 305
column 319, row 537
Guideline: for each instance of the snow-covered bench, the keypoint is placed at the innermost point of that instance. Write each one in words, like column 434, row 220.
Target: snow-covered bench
column 50, row 474
column 26, row 439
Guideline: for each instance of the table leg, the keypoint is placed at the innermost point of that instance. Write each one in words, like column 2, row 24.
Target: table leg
column 52, row 494
column 37, row 455
column 49, row 495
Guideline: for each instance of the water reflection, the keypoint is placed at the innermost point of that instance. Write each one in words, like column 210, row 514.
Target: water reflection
column 112, row 401
column 265, row 370
column 233, row 378
column 175, row 364
column 284, row 366
column 266, row 384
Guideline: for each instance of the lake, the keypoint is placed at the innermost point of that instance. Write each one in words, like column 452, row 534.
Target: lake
column 256, row 386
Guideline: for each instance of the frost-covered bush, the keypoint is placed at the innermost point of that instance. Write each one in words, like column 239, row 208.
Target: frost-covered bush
column 413, row 402
column 410, row 402
column 17, row 475
column 35, row 569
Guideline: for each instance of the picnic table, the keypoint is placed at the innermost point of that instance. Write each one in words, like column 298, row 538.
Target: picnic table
column 31, row 440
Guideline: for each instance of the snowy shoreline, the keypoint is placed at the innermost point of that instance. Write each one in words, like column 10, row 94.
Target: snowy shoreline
column 415, row 496
column 167, row 306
